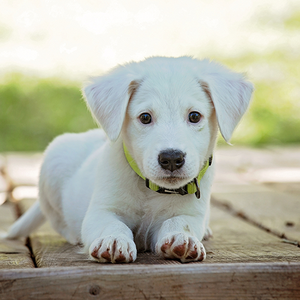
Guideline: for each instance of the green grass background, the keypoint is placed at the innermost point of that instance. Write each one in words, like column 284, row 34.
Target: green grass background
column 33, row 110
column 274, row 114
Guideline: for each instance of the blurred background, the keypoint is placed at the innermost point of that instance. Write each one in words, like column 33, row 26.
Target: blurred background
column 48, row 48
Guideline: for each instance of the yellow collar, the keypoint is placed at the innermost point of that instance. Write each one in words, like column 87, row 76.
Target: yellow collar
column 190, row 188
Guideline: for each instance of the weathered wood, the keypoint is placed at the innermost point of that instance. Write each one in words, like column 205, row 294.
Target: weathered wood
column 52, row 250
column 234, row 241
column 234, row 165
column 285, row 187
column 49, row 248
column 243, row 260
column 240, row 186
column 239, row 165
column 273, row 210
column 13, row 254
column 197, row 281
column 244, row 158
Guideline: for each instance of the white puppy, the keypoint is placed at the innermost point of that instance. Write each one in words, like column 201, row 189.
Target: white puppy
column 146, row 186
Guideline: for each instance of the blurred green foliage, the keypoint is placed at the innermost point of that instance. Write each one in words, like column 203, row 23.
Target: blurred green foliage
column 293, row 22
column 274, row 114
column 33, row 111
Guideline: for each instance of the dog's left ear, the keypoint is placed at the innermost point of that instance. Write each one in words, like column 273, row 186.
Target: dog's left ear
column 230, row 93
column 107, row 97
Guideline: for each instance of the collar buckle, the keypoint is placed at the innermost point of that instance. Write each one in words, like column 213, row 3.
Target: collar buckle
column 181, row 191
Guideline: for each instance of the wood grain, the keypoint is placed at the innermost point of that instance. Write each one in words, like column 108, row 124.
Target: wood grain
column 243, row 261
column 234, row 240
column 285, row 187
column 13, row 254
column 272, row 209
column 201, row 281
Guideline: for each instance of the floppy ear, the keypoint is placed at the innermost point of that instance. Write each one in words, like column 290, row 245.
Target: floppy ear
column 230, row 94
column 107, row 97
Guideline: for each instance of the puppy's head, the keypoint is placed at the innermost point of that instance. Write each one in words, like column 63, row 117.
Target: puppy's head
column 167, row 111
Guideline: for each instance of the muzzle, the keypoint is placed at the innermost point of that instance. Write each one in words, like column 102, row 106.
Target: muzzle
column 190, row 188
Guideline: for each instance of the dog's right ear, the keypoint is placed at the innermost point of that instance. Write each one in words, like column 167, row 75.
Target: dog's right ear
column 107, row 97
column 229, row 92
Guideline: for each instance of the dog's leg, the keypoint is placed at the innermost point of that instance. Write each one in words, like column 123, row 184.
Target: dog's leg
column 107, row 238
column 177, row 239
column 208, row 234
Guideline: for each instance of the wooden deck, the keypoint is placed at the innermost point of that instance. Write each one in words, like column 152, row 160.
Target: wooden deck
column 254, row 253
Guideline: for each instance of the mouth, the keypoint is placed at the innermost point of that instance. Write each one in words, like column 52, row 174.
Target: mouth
column 172, row 182
column 172, row 179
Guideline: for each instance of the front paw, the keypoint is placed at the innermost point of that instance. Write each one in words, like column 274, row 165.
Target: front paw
column 119, row 249
column 181, row 246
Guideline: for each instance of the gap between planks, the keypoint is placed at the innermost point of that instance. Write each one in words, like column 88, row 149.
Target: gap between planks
column 17, row 212
column 44, row 242
column 13, row 253
column 228, row 245
column 229, row 208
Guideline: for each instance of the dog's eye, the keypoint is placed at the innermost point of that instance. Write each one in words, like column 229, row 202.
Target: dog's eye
column 145, row 118
column 194, row 117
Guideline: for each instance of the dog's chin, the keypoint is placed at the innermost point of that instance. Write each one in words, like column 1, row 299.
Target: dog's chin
column 171, row 182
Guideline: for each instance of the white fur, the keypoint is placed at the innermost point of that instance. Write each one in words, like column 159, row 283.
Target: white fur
column 89, row 192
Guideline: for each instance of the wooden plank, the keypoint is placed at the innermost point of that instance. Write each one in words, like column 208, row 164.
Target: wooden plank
column 234, row 241
column 49, row 248
column 269, row 201
column 52, row 250
column 244, row 158
column 13, row 254
column 273, row 210
column 188, row 281
column 240, row 165
column 242, row 263
column 285, row 187
column 233, row 164
column 287, row 155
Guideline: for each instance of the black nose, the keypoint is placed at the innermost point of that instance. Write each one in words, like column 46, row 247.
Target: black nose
column 171, row 159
